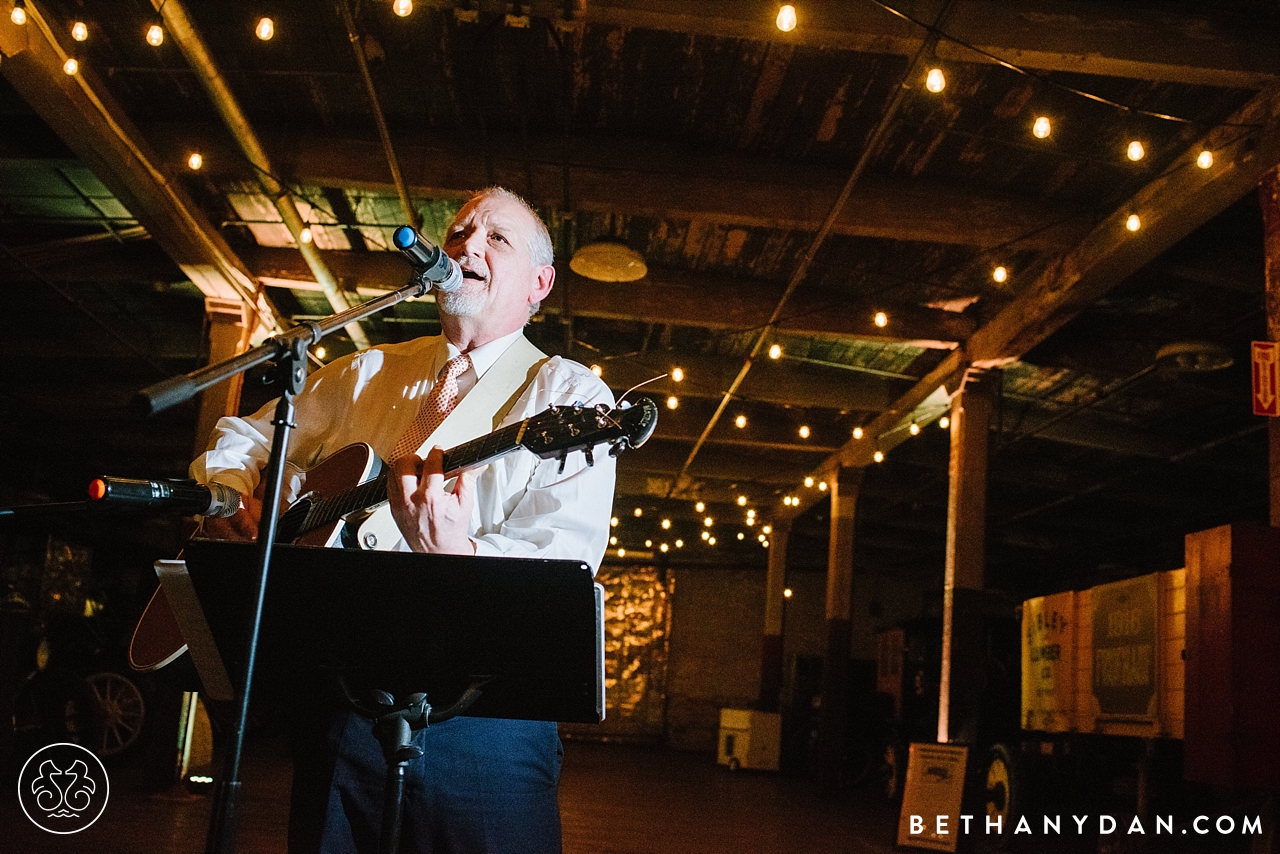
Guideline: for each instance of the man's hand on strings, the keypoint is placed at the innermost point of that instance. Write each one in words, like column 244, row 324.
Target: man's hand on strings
column 431, row 518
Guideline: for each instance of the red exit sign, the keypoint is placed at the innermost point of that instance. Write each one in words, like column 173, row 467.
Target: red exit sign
column 1266, row 378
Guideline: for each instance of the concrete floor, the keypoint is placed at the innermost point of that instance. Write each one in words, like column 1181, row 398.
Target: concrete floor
column 615, row 799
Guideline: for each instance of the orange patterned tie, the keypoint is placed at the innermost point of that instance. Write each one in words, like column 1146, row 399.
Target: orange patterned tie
column 437, row 404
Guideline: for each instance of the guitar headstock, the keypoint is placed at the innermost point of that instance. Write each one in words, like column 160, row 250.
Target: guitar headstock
column 561, row 429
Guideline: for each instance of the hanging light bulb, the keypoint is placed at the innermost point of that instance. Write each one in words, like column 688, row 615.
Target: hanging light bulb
column 775, row 352
column 305, row 235
column 706, row 535
column 79, row 31
column 804, row 431
column 321, row 352
column 663, row 548
column 944, row 422
column 673, row 402
column 808, row 481
column 613, row 541
column 882, row 319
column 822, row 486
column 19, row 13
column 914, row 429
column 708, row 521
column 679, row 544
column 768, row 529
column 597, row 370
column 935, row 81
column 70, row 67
column 1133, row 223
column 265, row 29
column 1040, row 128
column 648, row 544
column 1135, row 151
column 155, row 35
column 613, row 522
column 740, row 422
column 878, row 456
column 741, row 536
column 677, row 375
column 700, row 507
column 1204, row 159
column 402, row 7
column 639, row 511
column 666, row 524
column 1000, row 274
column 742, row 501
column 786, row 20
column 857, row 432
column 195, row 161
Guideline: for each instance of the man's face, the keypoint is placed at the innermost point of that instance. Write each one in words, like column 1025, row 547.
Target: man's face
column 490, row 240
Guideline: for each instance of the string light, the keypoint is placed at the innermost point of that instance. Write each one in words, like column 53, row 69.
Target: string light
column 706, row 535
column 765, row 544
column 1000, row 274
column 673, row 402
column 305, row 235
column 79, row 31
column 761, row 538
column 741, row 536
column 1040, row 128
column 648, row 544
column 597, row 370
column 740, row 422
column 804, row 431
column 19, row 13
column 679, row 544
column 663, row 548
column 914, row 429
column 70, row 67
column 1204, row 159
column 622, row 552
column 857, row 432
column 699, row 507
column 613, row 523
column 321, row 352
column 742, row 501
column 155, row 35
column 1135, row 151
column 882, row 319
column 786, row 593
column 1133, row 223
column 808, row 481
column 639, row 512
column 878, row 456
column 775, row 352
column 822, row 486
column 768, row 529
column 786, row 19
column 935, row 81
column 944, row 422
column 195, row 161
column 677, row 375
column 666, row 524
column 265, row 29
column 751, row 520
column 711, row 541
column 708, row 521
column 613, row 541
column 402, row 7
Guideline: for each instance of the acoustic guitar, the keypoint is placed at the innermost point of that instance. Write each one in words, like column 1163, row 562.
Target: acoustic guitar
column 345, row 502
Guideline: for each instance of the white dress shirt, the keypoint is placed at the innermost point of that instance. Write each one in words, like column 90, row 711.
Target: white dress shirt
column 524, row 506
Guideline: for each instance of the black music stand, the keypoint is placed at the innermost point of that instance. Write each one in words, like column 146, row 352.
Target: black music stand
column 490, row 637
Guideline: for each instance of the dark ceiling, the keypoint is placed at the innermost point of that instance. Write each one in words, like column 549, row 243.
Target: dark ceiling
column 717, row 147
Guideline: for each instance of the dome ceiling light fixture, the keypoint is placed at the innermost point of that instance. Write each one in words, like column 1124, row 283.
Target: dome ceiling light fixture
column 608, row 261
column 1194, row 357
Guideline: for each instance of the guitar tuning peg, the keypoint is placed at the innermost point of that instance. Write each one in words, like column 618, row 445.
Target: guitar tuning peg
column 564, row 455
column 618, row 447
column 586, row 452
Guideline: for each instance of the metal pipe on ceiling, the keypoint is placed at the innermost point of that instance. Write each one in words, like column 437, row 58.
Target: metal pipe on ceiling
column 357, row 47
column 802, row 269
column 184, row 33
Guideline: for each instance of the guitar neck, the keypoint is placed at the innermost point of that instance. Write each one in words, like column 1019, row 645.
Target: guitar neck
column 458, row 459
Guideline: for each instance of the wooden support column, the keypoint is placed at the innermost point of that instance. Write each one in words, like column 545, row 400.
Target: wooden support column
column 228, row 336
column 835, row 665
column 1269, row 192
column 963, row 628
column 774, row 609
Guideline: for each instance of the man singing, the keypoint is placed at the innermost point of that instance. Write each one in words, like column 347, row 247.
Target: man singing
column 483, row 785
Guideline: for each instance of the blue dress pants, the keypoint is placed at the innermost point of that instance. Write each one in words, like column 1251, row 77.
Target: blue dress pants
column 482, row 786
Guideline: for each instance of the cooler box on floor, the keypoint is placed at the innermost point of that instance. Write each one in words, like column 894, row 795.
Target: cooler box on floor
column 749, row 739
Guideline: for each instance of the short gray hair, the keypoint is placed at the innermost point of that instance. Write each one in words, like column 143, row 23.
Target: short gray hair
column 540, row 247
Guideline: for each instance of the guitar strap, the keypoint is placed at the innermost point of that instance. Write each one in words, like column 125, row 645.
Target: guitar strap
column 481, row 411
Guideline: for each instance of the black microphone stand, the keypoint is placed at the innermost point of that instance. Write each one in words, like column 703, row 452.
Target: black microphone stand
column 288, row 351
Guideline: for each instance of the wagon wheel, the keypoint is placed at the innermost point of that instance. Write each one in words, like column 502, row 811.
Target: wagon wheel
column 1003, row 795
column 121, row 713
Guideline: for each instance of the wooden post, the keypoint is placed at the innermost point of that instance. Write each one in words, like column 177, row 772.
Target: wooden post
column 228, row 336
column 774, row 606
column 963, row 651
column 1269, row 195
column 835, row 665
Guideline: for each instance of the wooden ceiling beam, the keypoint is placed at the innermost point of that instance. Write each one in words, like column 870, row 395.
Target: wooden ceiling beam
column 664, row 296
column 82, row 112
column 640, row 178
column 1116, row 40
